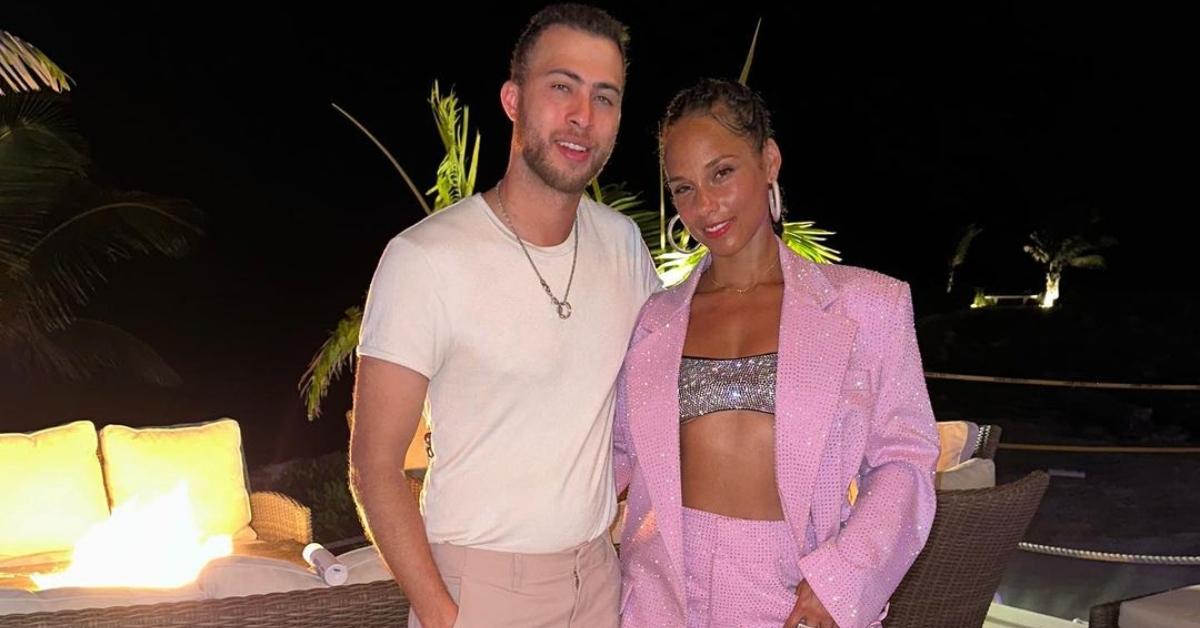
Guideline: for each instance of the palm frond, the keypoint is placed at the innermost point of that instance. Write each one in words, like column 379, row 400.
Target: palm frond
column 41, row 155
column 1094, row 261
column 616, row 196
column 455, row 177
column 1037, row 249
column 1069, row 247
column 1057, row 253
column 1077, row 246
column 801, row 237
column 960, row 253
column 386, row 153
column 84, row 349
column 806, row 240
column 329, row 362
column 63, row 267
column 674, row 267
column 647, row 223
column 744, row 77
column 469, row 189
column 964, row 245
column 36, row 130
column 24, row 68
column 59, row 230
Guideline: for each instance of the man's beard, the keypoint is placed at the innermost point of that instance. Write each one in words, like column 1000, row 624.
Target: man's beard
column 536, row 153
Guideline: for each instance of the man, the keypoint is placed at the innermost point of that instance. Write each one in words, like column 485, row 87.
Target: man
column 510, row 311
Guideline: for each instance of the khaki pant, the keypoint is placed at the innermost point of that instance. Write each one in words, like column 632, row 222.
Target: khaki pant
column 578, row 588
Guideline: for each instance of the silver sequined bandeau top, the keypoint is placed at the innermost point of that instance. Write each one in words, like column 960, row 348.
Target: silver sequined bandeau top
column 708, row 385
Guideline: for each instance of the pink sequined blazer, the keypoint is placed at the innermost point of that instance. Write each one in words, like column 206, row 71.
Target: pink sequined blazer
column 850, row 404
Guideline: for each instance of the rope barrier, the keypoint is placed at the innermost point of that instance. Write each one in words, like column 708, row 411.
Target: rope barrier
column 1062, row 383
column 1110, row 557
column 1100, row 449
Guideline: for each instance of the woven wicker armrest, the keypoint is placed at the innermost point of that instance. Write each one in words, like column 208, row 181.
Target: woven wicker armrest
column 1105, row 615
column 350, row 606
column 974, row 534
column 277, row 517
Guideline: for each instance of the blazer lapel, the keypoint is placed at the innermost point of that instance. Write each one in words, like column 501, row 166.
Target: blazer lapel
column 815, row 344
column 653, row 398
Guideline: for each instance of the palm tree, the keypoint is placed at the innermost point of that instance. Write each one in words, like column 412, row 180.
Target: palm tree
column 1058, row 254
column 61, row 230
column 455, row 181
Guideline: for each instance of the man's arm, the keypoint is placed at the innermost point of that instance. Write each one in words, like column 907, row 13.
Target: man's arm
column 388, row 400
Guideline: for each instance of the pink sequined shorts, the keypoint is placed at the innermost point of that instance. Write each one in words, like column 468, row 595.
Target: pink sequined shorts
column 739, row 572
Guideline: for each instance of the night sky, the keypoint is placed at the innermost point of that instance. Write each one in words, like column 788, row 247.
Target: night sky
column 898, row 127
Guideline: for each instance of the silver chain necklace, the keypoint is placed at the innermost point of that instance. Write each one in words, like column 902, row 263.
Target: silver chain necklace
column 563, row 306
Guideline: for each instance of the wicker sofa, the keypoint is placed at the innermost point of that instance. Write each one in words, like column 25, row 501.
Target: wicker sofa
column 367, row 605
column 49, row 469
column 355, row 606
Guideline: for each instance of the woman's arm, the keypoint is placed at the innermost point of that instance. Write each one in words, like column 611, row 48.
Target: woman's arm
column 855, row 572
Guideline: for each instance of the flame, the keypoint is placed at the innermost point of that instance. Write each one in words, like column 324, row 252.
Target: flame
column 154, row 543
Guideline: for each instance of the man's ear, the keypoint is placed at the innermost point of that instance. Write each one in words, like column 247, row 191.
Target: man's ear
column 510, row 99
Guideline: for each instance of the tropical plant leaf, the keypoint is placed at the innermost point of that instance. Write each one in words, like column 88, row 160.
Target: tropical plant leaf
column 1058, row 253
column 455, row 177
column 964, row 245
column 802, row 237
column 24, row 68
column 616, row 196
column 390, row 157
column 960, row 253
column 327, row 365
column 60, row 230
column 1093, row 261
column 84, row 349
column 1037, row 249
column 68, row 260
column 674, row 267
column 807, row 241
column 744, row 77
column 40, row 156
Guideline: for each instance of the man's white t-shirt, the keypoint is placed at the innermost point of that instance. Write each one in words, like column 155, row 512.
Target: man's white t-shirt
column 521, row 401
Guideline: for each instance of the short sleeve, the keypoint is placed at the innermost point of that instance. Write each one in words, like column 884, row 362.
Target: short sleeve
column 405, row 318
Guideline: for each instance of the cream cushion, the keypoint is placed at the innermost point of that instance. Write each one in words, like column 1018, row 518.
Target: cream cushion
column 52, row 489
column 974, row 473
column 19, row 602
column 956, row 442
column 148, row 462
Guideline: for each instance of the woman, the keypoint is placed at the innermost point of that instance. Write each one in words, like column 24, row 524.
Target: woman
column 753, row 395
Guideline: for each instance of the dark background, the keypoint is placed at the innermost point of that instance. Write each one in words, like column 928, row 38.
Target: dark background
column 899, row 126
